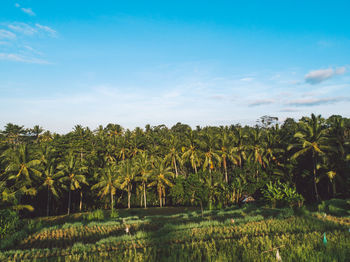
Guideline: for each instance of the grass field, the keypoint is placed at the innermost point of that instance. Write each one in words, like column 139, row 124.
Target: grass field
column 251, row 233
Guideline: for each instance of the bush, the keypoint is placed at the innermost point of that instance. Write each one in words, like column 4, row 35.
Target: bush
column 114, row 214
column 9, row 222
column 336, row 207
column 96, row 215
column 279, row 194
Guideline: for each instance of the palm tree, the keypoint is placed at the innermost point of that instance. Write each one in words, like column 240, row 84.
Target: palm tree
column 190, row 151
column 311, row 138
column 51, row 176
column 20, row 165
column 257, row 150
column 143, row 167
column 173, row 152
column 209, row 144
column 160, row 177
column 127, row 173
column 73, row 175
column 224, row 151
column 107, row 182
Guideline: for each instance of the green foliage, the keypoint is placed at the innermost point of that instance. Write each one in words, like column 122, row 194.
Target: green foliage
column 337, row 207
column 9, row 222
column 95, row 215
column 279, row 194
column 114, row 214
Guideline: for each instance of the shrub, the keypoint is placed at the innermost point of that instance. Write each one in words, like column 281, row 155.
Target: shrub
column 114, row 214
column 337, row 207
column 9, row 222
column 95, row 215
column 279, row 194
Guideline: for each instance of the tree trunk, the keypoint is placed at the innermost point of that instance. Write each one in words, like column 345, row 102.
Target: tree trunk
column 144, row 194
column 69, row 199
column 81, row 200
column 112, row 204
column 160, row 197
column 48, row 202
column 129, row 196
column 225, row 167
column 174, row 160
column 195, row 167
column 315, row 185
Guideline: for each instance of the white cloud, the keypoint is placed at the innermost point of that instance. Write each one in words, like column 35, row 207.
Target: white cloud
column 4, row 34
column 317, row 101
column 28, row 11
column 340, row 70
column 22, row 28
column 261, row 102
column 47, row 29
column 318, row 76
column 21, row 58
column 247, row 79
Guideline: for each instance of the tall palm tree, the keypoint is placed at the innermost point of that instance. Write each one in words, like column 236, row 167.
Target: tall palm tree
column 74, row 175
column 107, row 182
column 143, row 167
column 225, row 143
column 209, row 144
column 161, row 178
column 127, row 173
column 191, row 151
column 257, row 154
column 173, row 155
column 311, row 138
column 51, row 176
column 20, row 165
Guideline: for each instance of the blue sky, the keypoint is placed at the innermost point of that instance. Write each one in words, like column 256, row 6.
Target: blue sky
column 64, row 63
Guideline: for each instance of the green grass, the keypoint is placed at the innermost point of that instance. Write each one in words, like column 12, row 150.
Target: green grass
column 251, row 233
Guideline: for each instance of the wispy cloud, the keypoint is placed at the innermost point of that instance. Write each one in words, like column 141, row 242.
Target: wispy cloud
column 317, row 101
column 261, row 102
column 47, row 29
column 28, row 11
column 21, row 58
column 318, row 76
column 289, row 110
column 247, row 79
column 22, row 28
column 4, row 34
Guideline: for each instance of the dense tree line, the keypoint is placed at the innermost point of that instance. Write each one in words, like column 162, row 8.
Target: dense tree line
column 212, row 166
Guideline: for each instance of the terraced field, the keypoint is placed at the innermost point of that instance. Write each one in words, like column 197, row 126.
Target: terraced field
column 248, row 234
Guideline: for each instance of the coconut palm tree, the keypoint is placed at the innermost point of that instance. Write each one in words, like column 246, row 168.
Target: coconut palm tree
column 161, row 175
column 74, row 175
column 51, row 177
column 21, row 165
column 107, row 182
column 173, row 155
column 191, row 151
column 127, row 172
column 225, row 142
column 311, row 138
column 143, row 167
column 209, row 144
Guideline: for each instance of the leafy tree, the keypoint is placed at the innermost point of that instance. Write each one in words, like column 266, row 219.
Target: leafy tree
column 311, row 138
column 74, row 175
column 107, row 182
column 161, row 175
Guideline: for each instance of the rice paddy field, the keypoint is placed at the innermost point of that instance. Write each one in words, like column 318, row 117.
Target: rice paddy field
column 251, row 233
